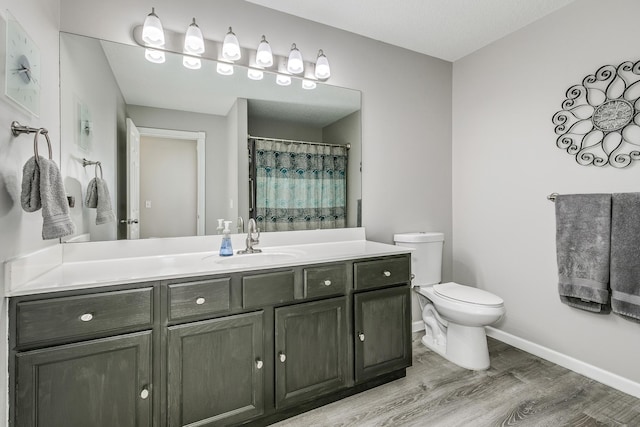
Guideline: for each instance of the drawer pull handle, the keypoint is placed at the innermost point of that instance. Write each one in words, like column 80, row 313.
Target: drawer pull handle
column 327, row 283
column 144, row 393
column 282, row 357
column 361, row 336
column 200, row 301
column 87, row 317
column 259, row 364
column 387, row 273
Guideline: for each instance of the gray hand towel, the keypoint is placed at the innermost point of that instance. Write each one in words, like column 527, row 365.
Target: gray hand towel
column 98, row 197
column 42, row 187
column 583, row 229
column 625, row 255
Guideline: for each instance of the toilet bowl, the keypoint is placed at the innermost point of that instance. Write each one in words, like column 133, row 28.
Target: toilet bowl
column 454, row 315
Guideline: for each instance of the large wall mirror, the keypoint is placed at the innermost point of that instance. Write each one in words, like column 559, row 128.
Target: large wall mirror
column 190, row 165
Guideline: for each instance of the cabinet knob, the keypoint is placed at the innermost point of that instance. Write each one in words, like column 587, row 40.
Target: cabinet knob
column 282, row 357
column 327, row 282
column 200, row 301
column 361, row 336
column 259, row 364
column 387, row 273
column 87, row 317
column 144, row 393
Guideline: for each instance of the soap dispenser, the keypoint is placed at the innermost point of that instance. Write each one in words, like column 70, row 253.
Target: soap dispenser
column 225, row 248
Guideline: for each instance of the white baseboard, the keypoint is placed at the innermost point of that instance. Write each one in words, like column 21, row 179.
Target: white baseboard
column 417, row 326
column 605, row 377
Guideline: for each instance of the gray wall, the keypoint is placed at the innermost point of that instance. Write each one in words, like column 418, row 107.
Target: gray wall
column 506, row 163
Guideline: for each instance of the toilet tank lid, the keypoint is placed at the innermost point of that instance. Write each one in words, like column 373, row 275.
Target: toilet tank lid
column 418, row 237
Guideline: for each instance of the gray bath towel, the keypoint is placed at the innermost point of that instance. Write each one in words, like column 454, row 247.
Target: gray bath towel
column 625, row 255
column 98, row 197
column 583, row 229
column 42, row 187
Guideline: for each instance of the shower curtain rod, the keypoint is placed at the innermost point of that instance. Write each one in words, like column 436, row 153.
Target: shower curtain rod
column 301, row 142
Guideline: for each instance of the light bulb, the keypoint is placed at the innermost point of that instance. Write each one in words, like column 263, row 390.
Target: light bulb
column 152, row 32
column 323, row 71
column 283, row 80
column 193, row 41
column 231, row 47
column 254, row 74
column 308, row 84
column 224, row 68
column 264, row 56
column 155, row 56
column 191, row 63
column 295, row 65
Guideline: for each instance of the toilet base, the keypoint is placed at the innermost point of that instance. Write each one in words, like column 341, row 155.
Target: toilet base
column 466, row 346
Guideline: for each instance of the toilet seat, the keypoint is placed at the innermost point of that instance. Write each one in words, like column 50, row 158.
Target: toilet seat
column 467, row 295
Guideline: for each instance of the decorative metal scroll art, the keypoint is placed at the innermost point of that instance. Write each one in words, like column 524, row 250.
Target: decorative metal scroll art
column 599, row 122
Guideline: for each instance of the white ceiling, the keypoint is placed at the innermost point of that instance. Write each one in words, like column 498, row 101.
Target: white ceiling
column 446, row 29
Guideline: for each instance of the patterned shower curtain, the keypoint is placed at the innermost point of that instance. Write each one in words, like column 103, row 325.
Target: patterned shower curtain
column 300, row 186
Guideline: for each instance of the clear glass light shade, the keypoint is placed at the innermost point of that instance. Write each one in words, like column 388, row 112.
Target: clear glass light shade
column 264, row 56
column 231, row 47
column 152, row 31
column 308, row 84
column 283, row 80
column 254, row 74
column 193, row 40
column 224, row 68
column 191, row 63
column 155, row 56
column 295, row 64
column 323, row 71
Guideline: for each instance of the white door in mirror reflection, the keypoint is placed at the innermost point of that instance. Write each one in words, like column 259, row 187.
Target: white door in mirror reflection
column 133, row 181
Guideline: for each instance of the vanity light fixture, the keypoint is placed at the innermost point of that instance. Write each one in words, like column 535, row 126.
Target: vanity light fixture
column 308, row 84
column 231, row 47
column 323, row 71
column 295, row 64
column 152, row 31
column 264, row 56
column 283, row 80
column 155, row 56
column 224, row 68
column 255, row 74
column 191, row 62
column 193, row 40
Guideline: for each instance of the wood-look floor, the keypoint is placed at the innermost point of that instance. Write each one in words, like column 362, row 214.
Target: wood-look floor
column 518, row 390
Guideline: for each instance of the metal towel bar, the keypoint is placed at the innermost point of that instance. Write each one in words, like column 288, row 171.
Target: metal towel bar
column 18, row 129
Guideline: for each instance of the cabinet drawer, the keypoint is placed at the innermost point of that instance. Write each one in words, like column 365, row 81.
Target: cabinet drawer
column 383, row 272
column 60, row 319
column 326, row 280
column 267, row 289
column 198, row 298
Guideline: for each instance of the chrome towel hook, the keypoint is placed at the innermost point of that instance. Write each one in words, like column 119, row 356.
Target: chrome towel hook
column 17, row 129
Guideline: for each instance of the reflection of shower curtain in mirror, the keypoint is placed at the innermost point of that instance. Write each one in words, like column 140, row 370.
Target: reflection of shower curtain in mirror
column 300, row 186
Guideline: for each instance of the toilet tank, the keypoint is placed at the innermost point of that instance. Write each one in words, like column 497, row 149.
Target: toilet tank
column 426, row 256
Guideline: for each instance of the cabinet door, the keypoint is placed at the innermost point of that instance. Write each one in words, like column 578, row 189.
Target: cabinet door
column 310, row 345
column 216, row 371
column 101, row 383
column 382, row 332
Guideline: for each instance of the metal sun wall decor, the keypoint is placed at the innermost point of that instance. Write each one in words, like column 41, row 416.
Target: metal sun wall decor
column 599, row 122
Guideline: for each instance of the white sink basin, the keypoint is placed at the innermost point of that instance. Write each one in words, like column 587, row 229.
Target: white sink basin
column 255, row 259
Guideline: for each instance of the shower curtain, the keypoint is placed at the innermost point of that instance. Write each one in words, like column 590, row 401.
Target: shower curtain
column 300, row 186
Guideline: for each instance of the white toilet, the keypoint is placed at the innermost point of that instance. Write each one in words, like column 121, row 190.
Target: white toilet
column 454, row 315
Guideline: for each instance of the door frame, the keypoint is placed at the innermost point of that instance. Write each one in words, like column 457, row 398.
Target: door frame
column 199, row 137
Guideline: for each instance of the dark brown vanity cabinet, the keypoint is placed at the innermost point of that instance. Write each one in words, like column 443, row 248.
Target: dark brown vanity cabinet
column 216, row 371
column 311, row 350
column 243, row 348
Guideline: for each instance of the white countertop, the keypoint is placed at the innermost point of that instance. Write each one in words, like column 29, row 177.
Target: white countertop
column 113, row 271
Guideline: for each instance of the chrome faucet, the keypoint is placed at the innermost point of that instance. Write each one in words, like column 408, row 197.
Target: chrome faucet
column 252, row 229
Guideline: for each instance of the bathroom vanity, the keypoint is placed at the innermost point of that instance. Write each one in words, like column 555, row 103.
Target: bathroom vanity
column 241, row 340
